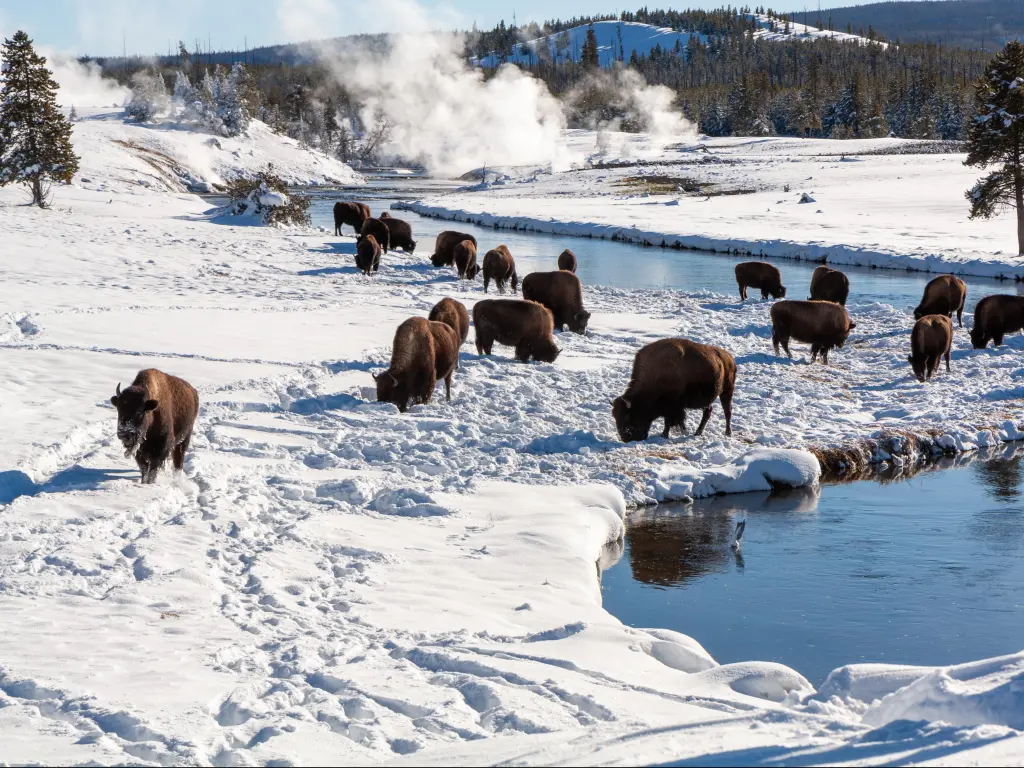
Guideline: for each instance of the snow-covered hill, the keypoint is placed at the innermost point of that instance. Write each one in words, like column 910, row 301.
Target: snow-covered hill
column 772, row 29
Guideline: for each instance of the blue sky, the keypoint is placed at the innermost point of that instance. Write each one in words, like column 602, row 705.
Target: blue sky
column 95, row 26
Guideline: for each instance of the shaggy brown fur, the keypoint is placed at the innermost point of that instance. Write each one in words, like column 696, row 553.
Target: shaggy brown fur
column 996, row 316
column 353, row 214
column 155, row 416
column 929, row 342
column 944, row 295
column 500, row 267
column 760, row 275
column 379, row 230
column 454, row 314
column 444, row 247
column 399, row 233
column 567, row 260
column 525, row 325
column 423, row 352
column 367, row 254
column 829, row 284
column 822, row 324
column 465, row 260
column 670, row 376
column 562, row 293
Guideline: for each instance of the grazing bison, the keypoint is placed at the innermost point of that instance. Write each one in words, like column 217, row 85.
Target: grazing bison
column 465, row 260
column 822, row 324
column 562, row 293
column 929, row 342
column 367, row 254
column 155, row 416
column 761, row 275
column 829, row 284
column 379, row 230
column 444, row 247
column 423, row 352
column 399, row 233
column 353, row 214
column 454, row 314
column 567, row 260
column 996, row 316
column 500, row 267
column 944, row 295
column 525, row 325
column 670, row 376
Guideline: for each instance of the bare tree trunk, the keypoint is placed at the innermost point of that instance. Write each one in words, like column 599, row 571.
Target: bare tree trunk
column 37, row 192
column 1018, row 184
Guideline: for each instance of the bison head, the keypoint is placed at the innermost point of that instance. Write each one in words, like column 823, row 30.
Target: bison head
column 133, row 416
column 631, row 423
column 412, row 246
column 778, row 293
column 578, row 322
column 390, row 390
column 919, row 364
column 919, row 313
column 978, row 338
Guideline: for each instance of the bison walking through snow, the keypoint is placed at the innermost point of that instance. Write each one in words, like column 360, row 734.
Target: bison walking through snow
column 761, row 275
column 353, row 214
column 525, row 325
column 930, row 342
column 422, row 353
column 822, row 324
column 562, row 293
column 996, row 316
column 367, row 254
column 399, row 233
column 465, row 260
column 944, row 295
column 500, row 267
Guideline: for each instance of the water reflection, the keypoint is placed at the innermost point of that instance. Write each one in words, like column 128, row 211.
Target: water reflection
column 1001, row 477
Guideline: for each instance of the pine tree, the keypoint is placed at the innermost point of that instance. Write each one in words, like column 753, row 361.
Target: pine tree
column 35, row 137
column 996, row 138
column 590, row 58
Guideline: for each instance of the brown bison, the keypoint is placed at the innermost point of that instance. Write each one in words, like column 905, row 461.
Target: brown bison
column 929, row 342
column 562, row 293
column 454, row 314
column 500, row 267
column 353, row 214
column 525, row 325
column 670, row 376
column 829, row 284
column 822, row 324
column 367, row 254
column 155, row 416
column 760, row 275
column 465, row 260
column 444, row 247
column 423, row 352
column 567, row 260
column 399, row 233
column 379, row 230
column 944, row 295
column 996, row 316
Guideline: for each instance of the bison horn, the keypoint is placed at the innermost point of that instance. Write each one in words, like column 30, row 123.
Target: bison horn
column 389, row 373
column 375, row 376
column 118, row 390
column 628, row 404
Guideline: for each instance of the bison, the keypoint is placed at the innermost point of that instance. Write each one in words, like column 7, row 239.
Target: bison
column 944, row 295
column 423, row 352
column 822, row 324
column 760, row 275
column 399, row 233
column 155, row 416
column 668, row 377
column 367, row 254
column 353, row 214
column 454, row 314
column 829, row 284
column 567, row 260
column 929, row 342
column 444, row 247
column 562, row 293
column 996, row 316
column 525, row 325
column 465, row 260
column 500, row 267
column 379, row 230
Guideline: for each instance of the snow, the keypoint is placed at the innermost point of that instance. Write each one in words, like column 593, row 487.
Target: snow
column 799, row 31
column 332, row 581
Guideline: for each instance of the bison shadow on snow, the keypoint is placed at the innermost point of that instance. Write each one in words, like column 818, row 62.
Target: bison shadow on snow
column 14, row 483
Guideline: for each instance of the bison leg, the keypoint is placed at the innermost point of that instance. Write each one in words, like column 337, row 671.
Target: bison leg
column 726, row 400
column 815, row 349
column 448, row 388
column 143, row 463
column 743, row 292
column 523, row 353
column 947, row 359
column 487, row 281
column 178, row 455
column 764, row 293
column 997, row 340
column 703, row 421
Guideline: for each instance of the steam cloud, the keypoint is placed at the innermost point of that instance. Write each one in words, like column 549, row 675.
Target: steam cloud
column 82, row 85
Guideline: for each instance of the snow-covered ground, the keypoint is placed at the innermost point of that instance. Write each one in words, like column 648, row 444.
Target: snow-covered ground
column 334, row 582
column 873, row 202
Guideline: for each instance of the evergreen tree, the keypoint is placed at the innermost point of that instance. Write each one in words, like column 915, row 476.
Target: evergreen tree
column 996, row 138
column 149, row 96
column 590, row 57
column 35, row 137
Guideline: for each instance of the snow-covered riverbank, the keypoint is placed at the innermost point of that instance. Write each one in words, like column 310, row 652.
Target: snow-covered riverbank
column 336, row 582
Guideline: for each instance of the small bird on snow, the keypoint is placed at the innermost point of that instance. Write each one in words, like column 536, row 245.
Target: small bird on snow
column 739, row 535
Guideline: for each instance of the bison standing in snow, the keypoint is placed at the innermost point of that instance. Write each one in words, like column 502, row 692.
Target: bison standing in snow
column 822, row 324
column 399, row 233
column 996, row 316
column 567, row 261
column 444, row 247
column 829, row 284
column 562, row 293
column 944, row 295
column 353, row 214
column 465, row 260
column 155, row 416
column 761, row 275
column 670, row 376
column 930, row 341
column 367, row 254
column 379, row 230
column 454, row 314
column 500, row 267
column 525, row 325
column 422, row 353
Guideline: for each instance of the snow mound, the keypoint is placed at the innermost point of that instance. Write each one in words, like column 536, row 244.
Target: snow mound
column 679, row 651
column 760, row 679
column 406, row 502
column 758, row 470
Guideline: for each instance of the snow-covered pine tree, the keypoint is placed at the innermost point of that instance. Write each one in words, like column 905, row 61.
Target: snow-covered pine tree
column 35, row 137
column 149, row 96
column 996, row 138
column 73, row 114
column 230, row 104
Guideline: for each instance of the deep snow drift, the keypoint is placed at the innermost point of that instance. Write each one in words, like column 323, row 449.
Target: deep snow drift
column 332, row 581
